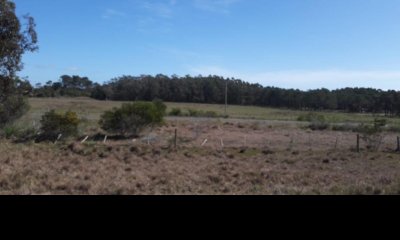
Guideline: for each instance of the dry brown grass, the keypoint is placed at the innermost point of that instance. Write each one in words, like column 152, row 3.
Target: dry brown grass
column 257, row 158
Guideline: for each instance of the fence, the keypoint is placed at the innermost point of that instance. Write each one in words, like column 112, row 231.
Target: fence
column 287, row 139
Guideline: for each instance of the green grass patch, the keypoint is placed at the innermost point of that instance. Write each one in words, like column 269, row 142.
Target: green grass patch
column 92, row 109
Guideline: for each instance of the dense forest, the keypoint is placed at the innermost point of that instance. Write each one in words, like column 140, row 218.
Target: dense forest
column 211, row 89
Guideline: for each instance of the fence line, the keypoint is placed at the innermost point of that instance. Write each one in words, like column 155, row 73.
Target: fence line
column 289, row 142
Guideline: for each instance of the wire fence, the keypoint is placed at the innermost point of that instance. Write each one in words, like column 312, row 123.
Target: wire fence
column 290, row 139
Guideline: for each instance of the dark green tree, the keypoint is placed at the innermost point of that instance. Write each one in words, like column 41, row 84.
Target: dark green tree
column 14, row 42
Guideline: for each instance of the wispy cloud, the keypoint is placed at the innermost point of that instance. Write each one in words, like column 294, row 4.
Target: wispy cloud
column 221, row 6
column 112, row 13
column 155, row 16
column 160, row 9
column 301, row 79
column 153, row 25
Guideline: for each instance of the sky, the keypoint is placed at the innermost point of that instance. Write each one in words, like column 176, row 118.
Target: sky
column 303, row 44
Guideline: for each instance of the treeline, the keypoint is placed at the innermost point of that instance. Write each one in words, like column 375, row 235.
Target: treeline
column 66, row 86
column 211, row 90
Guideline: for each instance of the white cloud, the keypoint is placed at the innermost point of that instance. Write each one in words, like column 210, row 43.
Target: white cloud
column 302, row 79
column 160, row 9
column 157, row 17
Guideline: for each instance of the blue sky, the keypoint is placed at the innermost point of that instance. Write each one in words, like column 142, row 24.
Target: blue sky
column 302, row 44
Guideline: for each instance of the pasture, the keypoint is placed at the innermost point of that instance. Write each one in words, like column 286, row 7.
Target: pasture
column 255, row 151
column 92, row 109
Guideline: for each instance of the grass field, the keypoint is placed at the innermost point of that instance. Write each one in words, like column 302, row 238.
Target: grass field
column 212, row 156
column 91, row 110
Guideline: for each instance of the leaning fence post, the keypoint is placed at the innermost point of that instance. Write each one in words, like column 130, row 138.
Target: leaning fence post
column 85, row 139
column 58, row 138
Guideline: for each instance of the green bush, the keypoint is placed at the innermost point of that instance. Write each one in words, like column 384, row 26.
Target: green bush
column 200, row 113
column 175, row 112
column 54, row 124
column 311, row 117
column 161, row 110
column 380, row 122
column 10, row 131
column 371, row 129
column 317, row 121
column 27, row 134
column 318, row 125
column 372, row 133
column 132, row 118
column 193, row 113
column 344, row 127
column 210, row 114
column 19, row 133
column 12, row 108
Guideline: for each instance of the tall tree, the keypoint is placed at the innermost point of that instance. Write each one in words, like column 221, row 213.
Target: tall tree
column 14, row 42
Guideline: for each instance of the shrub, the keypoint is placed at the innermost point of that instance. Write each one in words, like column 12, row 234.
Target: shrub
column 10, row 131
column 317, row 121
column 347, row 127
column 380, row 123
column 311, row 117
column 193, row 113
column 54, row 124
column 376, row 128
column 175, row 112
column 12, row 108
column 318, row 125
column 200, row 113
column 18, row 133
column 372, row 134
column 161, row 110
column 210, row 114
column 27, row 134
column 132, row 118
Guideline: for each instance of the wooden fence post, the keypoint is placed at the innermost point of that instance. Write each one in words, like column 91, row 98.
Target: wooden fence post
column 358, row 143
column 85, row 139
column 337, row 142
column 176, row 138
column 58, row 138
